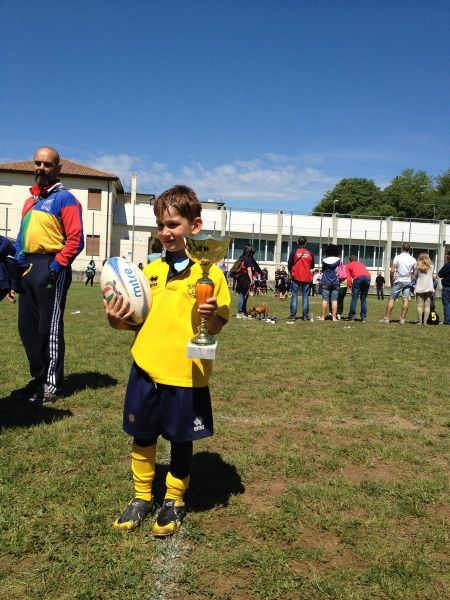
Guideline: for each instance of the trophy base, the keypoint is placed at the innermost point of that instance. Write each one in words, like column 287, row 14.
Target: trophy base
column 204, row 352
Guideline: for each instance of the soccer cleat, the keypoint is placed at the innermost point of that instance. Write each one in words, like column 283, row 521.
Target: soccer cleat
column 133, row 515
column 45, row 396
column 170, row 518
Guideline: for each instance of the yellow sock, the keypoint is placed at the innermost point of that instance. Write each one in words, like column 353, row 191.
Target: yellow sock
column 143, row 467
column 176, row 488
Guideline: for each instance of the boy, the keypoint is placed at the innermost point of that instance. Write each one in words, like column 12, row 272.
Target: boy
column 167, row 393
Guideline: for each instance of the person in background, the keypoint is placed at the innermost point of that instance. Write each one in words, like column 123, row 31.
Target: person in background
column 444, row 274
column 300, row 264
column 49, row 240
column 249, row 266
column 423, row 275
column 10, row 274
column 330, row 281
column 317, row 278
column 358, row 278
column 224, row 268
column 343, row 287
column 90, row 272
column 156, row 249
column 433, row 318
column 379, row 282
column 435, row 284
column 401, row 280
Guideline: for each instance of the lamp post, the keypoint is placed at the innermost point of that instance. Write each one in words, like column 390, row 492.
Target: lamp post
column 434, row 209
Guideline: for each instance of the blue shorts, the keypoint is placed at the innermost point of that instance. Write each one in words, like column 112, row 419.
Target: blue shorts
column 330, row 290
column 401, row 286
column 152, row 409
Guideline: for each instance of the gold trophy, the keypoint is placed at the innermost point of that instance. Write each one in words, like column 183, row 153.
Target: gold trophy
column 205, row 250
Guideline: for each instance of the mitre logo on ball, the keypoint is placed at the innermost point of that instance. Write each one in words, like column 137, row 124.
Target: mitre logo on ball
column 122, row 277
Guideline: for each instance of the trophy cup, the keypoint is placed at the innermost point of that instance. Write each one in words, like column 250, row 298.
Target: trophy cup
column 205, row 250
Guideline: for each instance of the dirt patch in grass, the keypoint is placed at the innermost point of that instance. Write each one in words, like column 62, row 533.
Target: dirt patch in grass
column 441, row 511
column 381, row 472
column 262, row 495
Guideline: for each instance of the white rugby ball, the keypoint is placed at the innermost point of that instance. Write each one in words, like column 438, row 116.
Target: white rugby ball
column 121, row 276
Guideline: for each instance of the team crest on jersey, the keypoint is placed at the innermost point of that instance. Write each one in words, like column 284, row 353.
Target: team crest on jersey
column 46, row 205
column 191, row 290
column 153, row 280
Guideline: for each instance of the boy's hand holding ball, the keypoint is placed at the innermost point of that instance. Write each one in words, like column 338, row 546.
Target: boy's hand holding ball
column 118, row 311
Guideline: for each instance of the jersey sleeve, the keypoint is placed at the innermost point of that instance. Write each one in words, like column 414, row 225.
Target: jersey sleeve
column 72, row 222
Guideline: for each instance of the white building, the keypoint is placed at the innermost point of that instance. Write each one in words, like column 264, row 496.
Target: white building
column 114, row 226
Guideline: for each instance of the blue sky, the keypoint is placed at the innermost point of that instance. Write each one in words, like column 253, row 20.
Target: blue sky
column 262, row 104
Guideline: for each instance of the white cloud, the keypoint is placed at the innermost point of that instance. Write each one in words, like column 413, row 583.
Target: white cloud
column 267, row 179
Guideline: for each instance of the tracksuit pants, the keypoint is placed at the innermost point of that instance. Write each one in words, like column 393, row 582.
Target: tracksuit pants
column 41, row 325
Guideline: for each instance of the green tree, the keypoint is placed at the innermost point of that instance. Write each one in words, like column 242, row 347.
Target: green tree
column 410, row 194
column 442, row 196
column 355, row 196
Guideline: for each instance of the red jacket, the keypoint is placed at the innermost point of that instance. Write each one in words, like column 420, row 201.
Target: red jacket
column 356, row 269
column 300, row 263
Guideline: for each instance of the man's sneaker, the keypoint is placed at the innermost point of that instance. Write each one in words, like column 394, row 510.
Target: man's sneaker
column 291, row 318
column 384, row 320
column 402, row 321
column 27, row 390
column 170, row 518
column 133, row 515
column 338, row 317
column 45, row 396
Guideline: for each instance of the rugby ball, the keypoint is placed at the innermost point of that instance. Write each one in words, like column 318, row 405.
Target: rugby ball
column 120, row 276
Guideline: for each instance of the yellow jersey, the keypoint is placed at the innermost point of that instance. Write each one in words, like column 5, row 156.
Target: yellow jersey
column 160, row 345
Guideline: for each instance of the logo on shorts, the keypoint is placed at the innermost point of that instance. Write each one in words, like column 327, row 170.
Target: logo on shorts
column 198, row 424
column 131, row 418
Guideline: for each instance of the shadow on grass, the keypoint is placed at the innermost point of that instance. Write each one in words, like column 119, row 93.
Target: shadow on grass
column 18, row 413
column 213, row 482
column 90, row 380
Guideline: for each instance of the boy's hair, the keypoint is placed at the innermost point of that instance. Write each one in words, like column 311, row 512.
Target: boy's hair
column 353, row 258
column 301, row 241
column 180, row 197
column 405, row 247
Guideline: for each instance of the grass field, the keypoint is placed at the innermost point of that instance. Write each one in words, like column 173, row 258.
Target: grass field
column 327, row 476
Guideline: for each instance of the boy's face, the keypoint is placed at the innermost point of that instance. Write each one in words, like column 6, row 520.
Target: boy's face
column 173, row 228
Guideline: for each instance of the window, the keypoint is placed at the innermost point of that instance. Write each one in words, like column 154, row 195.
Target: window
column 92, row 245
column 94, row 199
column 379, row 252
column 350, row 251
column 270, row 250
column 284, row 251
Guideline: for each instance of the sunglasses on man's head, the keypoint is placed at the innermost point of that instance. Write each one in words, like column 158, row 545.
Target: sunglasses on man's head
column 38, row 163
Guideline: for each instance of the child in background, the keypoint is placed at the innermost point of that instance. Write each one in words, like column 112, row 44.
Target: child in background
column 10, row 272
column 433, row 318
column 167, row 393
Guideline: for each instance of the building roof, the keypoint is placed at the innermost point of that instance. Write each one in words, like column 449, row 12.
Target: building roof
column 70, row 168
